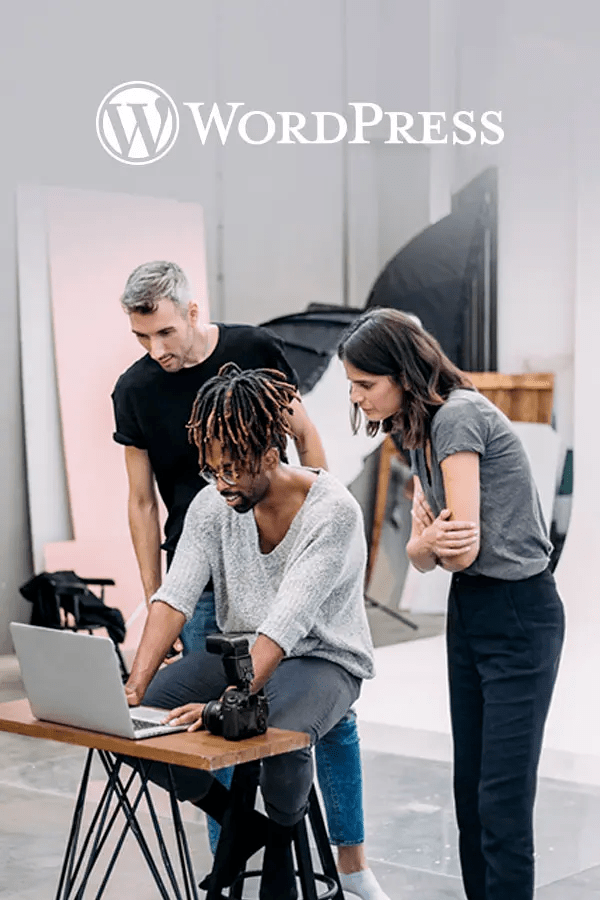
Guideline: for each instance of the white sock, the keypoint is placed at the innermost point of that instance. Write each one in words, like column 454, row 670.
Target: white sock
column 363, row 884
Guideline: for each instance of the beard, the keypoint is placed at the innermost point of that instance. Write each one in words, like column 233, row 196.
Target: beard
column 243, row 503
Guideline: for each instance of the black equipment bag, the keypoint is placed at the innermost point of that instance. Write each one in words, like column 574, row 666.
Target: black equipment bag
column 49, row 592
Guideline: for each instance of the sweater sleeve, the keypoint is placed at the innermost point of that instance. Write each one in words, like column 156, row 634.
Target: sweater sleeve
column 326, row 563
column 190, row 571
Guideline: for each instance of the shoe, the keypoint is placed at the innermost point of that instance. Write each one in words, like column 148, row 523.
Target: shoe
column 363, row 884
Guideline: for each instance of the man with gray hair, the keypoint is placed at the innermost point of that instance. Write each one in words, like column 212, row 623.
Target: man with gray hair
column 152, row 402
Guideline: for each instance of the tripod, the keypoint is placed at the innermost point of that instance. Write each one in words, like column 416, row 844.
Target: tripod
column 391, row 612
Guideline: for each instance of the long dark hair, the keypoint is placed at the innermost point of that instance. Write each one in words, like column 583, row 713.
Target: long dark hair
column 388, row 342
column 245, row 411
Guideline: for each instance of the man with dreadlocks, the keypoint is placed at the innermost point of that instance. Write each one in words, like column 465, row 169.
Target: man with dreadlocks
column 285, row 549
column 152, row 402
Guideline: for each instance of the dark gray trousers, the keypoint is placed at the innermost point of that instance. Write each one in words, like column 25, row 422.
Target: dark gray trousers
column 305, row 694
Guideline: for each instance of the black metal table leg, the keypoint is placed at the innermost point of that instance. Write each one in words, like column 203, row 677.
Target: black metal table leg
column 83, row 851
column 71, row 848
column 185, row 859
column 112, row 766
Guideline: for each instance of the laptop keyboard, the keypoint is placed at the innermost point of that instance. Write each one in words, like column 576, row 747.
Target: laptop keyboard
column 138, row 724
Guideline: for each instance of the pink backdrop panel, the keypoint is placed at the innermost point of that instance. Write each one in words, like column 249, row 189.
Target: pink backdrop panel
column 95, row 240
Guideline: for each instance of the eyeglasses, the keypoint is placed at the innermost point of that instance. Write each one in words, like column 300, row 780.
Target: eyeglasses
column 209, row 475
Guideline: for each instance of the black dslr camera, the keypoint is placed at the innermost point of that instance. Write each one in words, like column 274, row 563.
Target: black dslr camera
column 239, row 714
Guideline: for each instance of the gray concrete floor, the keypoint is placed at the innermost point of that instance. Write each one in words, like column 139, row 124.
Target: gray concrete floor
column 386, row 629
column 411, row 835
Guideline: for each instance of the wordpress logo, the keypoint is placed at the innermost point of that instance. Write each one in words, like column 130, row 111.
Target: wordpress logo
column 137, row 123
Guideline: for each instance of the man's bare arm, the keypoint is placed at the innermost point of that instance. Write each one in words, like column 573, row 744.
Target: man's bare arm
column 144, row 523
column 306, row 437
column 162, row 627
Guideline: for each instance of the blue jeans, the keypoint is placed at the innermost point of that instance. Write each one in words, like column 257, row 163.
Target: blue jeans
column 337, row 753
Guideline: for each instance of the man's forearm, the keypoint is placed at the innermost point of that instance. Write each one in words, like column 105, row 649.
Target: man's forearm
column 310, row 449
column 144, row 527
column 306, row 437
column 162, row 627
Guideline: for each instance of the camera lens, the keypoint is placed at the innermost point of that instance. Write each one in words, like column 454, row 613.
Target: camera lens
column 212, row 717
column 261, row 723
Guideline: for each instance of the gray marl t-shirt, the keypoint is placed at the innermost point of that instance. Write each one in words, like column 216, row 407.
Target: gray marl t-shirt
column 514, row 542
column 306, row 594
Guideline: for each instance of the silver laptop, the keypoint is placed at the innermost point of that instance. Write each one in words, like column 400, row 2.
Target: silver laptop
column 73, row 678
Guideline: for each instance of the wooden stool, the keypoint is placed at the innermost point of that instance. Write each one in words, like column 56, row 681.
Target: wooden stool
column 243, row 795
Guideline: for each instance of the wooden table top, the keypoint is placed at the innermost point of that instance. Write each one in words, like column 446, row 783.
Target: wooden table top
column 196, row 750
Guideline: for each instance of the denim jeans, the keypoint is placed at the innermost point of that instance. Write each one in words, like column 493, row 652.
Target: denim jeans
column 203, row 622
column 504, row 643
column 337, row 753
column 339, row 771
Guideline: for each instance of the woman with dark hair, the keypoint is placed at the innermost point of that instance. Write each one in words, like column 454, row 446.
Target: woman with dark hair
column 476, row 512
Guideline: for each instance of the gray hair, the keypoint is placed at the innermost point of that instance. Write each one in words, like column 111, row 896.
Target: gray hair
column 154, row 281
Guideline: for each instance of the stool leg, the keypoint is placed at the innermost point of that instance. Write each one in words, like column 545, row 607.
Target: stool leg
column 248, row 790
column 278, row 880
column 322, row 840
column 232, row 839
column 237, row 890
column 303, row 858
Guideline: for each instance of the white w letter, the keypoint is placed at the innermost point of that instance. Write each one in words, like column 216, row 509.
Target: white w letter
column 215, row 116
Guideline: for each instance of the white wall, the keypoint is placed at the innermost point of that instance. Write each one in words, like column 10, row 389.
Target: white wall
column 285, row 226
column 545, row 75
column 577, row 575
column 521, row 58
column 57, row 62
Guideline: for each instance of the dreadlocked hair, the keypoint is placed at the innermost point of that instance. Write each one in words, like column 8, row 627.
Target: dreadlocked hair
column 245, row 412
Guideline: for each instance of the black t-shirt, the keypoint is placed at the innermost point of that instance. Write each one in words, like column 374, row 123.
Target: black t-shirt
column 152, row 408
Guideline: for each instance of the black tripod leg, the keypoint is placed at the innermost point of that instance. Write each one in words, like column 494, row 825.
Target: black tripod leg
column 391, row 612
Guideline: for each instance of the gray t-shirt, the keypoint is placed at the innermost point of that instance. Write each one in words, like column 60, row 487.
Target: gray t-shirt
column 514, row 542
column 306, row 594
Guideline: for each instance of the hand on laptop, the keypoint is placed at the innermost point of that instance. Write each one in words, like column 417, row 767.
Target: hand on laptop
column 133, row 694
column 190, row 714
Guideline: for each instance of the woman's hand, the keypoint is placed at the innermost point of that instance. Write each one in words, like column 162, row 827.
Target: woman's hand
column 190, row 714
column 445, row 537
column 448, row 538
column 421, row 511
